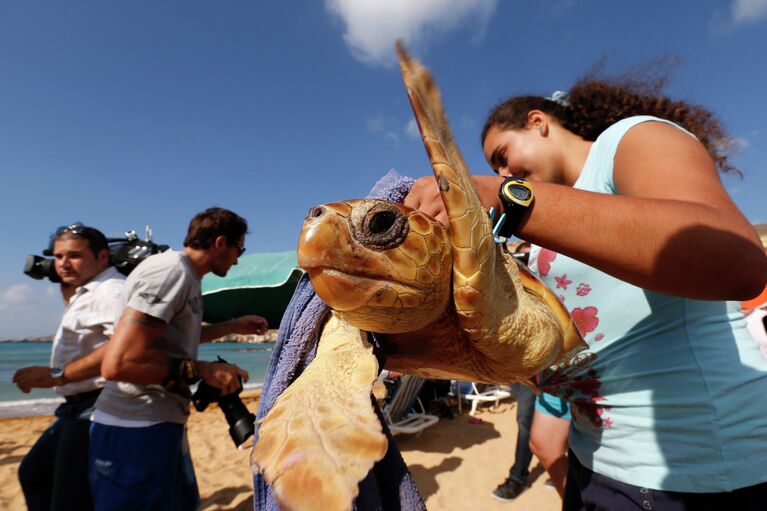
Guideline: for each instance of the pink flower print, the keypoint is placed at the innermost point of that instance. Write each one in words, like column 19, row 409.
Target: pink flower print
column 586, row 403
column 561, row 298
column 545, row 257
column 563, row 282
column 583, row 289
column 599, row 337
column 585, row 319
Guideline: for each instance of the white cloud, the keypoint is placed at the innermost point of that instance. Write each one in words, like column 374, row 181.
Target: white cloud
column 393, row 137
column 375, row 124
column 28, row 310
column 372, row 26
column 741, row 143
column 748, row 11
column 411, row 130
column 15, row 295
column 378, row 125
column 559, row 7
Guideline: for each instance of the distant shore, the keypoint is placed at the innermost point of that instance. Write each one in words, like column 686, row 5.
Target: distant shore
column 48, row 338
column 270, row 336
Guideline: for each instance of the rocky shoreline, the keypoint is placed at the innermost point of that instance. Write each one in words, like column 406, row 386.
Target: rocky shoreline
column 269, row 336
column 47, row 338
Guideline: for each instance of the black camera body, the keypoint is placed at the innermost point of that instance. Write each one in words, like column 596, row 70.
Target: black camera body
column 241, row 421
column 124, row 253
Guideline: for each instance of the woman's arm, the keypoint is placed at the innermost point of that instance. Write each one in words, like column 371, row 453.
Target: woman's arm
column 671, row 229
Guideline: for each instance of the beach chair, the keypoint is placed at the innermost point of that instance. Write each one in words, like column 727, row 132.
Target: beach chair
column 490, row 394
column 399, row 413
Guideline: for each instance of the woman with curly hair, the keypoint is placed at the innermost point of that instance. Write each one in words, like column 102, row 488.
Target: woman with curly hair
column 617, row 187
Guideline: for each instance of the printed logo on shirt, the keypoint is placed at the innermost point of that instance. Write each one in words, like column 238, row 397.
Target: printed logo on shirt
column 151, row 298
column 194, row 304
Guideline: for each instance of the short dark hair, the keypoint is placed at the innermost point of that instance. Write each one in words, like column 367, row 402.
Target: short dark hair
column 95, row 238
column 207, row 225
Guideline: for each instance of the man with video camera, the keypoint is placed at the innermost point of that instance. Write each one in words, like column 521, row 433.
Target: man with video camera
column 54, row 474
column 139, row 456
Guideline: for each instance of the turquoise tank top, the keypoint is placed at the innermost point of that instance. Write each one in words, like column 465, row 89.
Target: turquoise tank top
column 676, row 399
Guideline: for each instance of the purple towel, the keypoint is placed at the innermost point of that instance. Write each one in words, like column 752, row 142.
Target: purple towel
column 389, row 485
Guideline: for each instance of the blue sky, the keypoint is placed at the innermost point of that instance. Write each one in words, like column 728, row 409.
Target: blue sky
column 126, row 114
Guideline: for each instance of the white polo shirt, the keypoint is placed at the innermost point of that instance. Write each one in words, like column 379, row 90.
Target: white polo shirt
column 89, row 320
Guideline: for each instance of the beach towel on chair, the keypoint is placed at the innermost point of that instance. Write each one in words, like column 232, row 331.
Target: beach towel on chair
column 389, row 485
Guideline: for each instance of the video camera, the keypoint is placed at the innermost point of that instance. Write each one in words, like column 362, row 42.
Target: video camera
column 125, row 253
column 241, row 421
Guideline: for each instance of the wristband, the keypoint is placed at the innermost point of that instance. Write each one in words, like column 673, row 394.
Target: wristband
column 189, row 374
column 516, row 195
column 180, row 370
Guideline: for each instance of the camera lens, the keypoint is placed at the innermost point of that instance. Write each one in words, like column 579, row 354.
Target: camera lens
column 39, row 267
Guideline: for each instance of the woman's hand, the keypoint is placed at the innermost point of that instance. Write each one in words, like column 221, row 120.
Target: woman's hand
column 425, row 196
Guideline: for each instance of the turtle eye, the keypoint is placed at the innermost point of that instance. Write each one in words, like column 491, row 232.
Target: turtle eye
column 378, row 225
column 381, row 222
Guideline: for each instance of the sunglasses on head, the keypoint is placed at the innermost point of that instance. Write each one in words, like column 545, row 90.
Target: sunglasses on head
column 75, row 228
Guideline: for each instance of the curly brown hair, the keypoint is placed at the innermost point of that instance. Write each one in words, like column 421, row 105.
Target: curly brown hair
column 594, row 103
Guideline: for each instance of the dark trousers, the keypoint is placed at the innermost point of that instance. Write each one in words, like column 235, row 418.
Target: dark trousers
column 136, row 469
column 587, row 490
column 522, row 455
column 54, row 474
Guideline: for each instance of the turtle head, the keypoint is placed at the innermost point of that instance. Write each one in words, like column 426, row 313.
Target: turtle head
column 382, row 266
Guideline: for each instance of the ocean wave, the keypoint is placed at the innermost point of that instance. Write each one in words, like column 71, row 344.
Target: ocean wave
column 29, row 407
column 46, row 406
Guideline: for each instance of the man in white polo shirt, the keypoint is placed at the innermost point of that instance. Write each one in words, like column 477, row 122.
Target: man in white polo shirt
column 54, row 474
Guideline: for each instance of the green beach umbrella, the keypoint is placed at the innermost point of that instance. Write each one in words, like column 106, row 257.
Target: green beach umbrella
column 258, row 284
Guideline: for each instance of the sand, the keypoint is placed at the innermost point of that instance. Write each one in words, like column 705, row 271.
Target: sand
column 455, row 463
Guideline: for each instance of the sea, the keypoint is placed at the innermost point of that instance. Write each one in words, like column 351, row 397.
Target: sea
column 253, row 357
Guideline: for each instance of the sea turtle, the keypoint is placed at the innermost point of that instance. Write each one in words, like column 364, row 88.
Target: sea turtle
column 451, row 303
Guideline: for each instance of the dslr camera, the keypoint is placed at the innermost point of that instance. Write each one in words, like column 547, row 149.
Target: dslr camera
column 241, row 421
column 125, row 253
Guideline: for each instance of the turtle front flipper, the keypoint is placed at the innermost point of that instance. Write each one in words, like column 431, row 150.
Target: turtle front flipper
column 474, row 251
column 322, row 436
column 572, row 342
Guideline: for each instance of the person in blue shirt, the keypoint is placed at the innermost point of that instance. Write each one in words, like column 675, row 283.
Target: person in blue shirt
column 634, row 231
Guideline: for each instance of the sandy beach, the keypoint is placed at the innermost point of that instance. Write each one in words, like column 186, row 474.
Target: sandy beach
column 455, row 463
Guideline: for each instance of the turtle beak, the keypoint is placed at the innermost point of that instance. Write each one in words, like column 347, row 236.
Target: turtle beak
column 324, row 235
